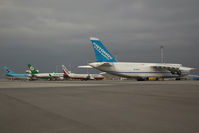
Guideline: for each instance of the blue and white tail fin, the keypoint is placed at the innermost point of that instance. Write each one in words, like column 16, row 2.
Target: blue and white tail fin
column 101, row 53
column 8, row 71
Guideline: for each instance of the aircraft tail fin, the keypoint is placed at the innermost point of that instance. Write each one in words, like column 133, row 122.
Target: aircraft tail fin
column 8, row 71
column 32, row 69
column 66, row 71
column 101, row 53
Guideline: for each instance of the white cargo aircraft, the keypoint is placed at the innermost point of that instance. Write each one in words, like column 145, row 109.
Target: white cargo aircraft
column 141, row 71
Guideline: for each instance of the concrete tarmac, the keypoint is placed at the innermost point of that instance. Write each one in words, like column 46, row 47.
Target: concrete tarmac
column 99, row 107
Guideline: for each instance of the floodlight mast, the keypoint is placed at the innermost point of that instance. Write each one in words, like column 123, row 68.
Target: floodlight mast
column 162, row 54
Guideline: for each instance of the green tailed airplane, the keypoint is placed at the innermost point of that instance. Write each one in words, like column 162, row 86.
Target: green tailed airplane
column 50, row 76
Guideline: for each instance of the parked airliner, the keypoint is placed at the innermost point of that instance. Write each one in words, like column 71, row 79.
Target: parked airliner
column 141, row 71
column 50, row 76
column 69, row 75
column 10, row 73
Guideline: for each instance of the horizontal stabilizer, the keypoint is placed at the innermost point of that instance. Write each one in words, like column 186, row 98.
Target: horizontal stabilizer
column 100, row 64
column 85, row 67
column 102, row 73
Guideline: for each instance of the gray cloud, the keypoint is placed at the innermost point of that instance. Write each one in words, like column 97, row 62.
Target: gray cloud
column 48, row 32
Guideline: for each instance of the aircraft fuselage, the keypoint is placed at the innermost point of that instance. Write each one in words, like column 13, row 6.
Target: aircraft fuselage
column 137, row 70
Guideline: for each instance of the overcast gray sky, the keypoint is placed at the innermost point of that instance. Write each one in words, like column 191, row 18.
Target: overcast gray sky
column 47, row 33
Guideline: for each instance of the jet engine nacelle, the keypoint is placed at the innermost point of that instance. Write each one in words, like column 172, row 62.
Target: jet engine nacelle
column 28, row 71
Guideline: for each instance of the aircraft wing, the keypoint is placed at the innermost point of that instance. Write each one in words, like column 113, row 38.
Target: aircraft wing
column 54, row 75
column 173, row 68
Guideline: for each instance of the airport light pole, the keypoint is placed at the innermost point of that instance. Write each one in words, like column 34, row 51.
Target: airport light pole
column 162, row 54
